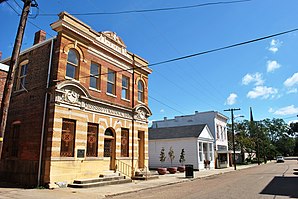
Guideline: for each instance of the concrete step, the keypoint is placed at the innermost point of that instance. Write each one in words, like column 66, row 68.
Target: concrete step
column 100, row 179
column 100, row 183
column 149, row 177
column 143, row 175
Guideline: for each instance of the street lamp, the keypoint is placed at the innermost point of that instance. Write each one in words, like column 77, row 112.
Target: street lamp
column 233, row 136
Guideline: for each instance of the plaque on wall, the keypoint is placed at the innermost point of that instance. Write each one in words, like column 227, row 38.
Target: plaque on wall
column 81, row 153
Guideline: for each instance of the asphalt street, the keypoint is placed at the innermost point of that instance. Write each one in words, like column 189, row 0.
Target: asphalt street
column 274, row 180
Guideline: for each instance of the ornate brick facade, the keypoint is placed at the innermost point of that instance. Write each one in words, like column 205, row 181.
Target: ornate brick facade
column 85, row 123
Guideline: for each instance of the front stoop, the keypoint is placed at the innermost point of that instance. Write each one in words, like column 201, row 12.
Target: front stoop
column 144, row 176
column 97, row 182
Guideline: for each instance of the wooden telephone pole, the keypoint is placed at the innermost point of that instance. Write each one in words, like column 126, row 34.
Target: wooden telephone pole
column 12, row 68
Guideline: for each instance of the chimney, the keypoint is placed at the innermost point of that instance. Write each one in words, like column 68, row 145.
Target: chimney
column 39, row 37
column 0, row 55
column 196, row 112
column 165, row 118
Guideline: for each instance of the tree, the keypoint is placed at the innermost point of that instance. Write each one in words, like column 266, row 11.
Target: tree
column 182, row 157
column 266, row 137
column 162, row 156
column 171, row 155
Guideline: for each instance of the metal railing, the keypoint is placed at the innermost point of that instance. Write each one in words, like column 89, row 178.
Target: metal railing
column 124, row 168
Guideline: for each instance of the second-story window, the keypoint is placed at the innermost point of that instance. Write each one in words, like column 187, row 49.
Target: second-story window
column 111, row 83
column 94, row 76
column 125, row 86
column 72, row 67
column 140, row 91
column 21, row 78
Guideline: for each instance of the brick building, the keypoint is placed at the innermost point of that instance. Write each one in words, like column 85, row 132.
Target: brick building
column 79, row 108
column 3, row 75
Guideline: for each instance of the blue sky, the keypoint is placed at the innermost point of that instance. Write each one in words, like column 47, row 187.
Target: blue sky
column 262, row 75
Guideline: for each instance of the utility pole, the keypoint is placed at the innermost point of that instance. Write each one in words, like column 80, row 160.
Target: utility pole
column 233, row 136
column 12, row 69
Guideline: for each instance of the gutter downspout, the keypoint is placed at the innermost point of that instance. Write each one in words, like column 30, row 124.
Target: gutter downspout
column 133, row 114
column 44, row 115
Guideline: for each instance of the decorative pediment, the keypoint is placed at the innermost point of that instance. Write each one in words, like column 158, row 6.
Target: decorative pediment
column 113, row 41
column 114, row 38
column 73, row 94
column 142, row 112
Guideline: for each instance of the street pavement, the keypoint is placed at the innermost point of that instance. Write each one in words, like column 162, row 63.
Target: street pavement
column 111, row 190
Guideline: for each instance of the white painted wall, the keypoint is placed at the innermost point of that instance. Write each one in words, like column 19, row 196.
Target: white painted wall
column 189, row 145
column 211, row 118
column 191, row 148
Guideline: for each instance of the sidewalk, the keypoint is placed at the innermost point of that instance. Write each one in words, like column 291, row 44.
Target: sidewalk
column 111, row 190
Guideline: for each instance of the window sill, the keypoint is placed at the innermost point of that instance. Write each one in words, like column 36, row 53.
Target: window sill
column 112, row 95
column 93, row 158
column 123, row 158
column 72, row 79
column 124, row 99
column 94, row 89
column 141, row 102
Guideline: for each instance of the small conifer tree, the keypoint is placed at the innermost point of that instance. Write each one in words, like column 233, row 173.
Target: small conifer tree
column 162, row 156
column 171, row 155
column 182, row 157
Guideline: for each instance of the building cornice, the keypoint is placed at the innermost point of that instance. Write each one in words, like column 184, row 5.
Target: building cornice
column 107, row 41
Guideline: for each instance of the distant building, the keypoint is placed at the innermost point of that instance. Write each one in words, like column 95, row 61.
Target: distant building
column 196, row 140
column 77, row 109
column 3, row 74
column 217, row 123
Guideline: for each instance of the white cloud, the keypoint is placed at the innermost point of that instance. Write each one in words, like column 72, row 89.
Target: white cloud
column 257, row 78
column 231, row 99
column 294, row 90
column 162, row 111
column 288, row 110
column 291, row 81
column 271, row 110
column 272, row 66
column 262, row 91
column 274, row 45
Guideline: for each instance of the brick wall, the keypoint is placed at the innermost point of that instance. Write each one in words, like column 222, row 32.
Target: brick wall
column 3, row 75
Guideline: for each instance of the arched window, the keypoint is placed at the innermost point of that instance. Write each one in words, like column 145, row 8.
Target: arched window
column 140, row 91
column 72, row 66
column 109, row 132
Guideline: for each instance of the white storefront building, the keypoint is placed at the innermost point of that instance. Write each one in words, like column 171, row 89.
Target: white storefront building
column 196, row 140
column 217, row 124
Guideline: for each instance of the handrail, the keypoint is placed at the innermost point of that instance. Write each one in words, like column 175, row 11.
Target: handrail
column 124, row 168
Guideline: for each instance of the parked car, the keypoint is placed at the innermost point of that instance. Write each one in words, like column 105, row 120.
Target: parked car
column 280, row 159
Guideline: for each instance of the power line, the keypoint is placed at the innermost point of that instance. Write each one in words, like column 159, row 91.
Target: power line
column 36, row 26
column 207, row 52
column 28, row 20
column 12, row 8
column 165, row 104
column 17, row 4
column 223, row 48
column 154, row 10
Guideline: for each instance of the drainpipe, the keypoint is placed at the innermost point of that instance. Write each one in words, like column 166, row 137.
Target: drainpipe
column 133, row 113
column 44, row 116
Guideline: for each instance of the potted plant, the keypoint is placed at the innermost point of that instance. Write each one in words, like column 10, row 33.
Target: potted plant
column 162, row 158
column 171, row 154
column 182, row 160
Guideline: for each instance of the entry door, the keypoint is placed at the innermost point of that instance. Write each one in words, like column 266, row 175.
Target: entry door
column 141, row 150
column 109, row 152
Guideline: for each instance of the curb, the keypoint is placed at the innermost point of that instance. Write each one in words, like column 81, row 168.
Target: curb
column 176, row 182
